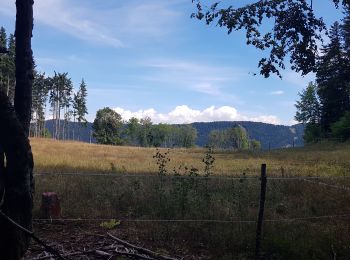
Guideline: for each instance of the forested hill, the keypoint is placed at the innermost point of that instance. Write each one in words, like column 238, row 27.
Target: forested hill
column 277, row 136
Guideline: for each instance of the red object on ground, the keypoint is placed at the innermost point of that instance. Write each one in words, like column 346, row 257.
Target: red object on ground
column 50, row 205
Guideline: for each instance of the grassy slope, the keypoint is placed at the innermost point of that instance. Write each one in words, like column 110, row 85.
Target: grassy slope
column 57, row 156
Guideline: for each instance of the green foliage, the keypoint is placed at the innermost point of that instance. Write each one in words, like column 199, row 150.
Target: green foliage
column 144, row 133
column 7, row 64
column 341, row 129
column 332, row 81
column 295, row 33
column 313, row 133
column 79, row 103
column 107, row 127
column 322, row 107
column 232, row 138
column 308, row 108
column 39, row 98
column 255, row 145
column 113, row 223
column 132, row 131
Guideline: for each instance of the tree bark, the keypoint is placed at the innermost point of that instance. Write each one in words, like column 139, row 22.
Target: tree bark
column 16, row 177
column 24, row 62
column 18, row 182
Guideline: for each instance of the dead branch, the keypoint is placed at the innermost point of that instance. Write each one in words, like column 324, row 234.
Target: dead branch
column 141, row 249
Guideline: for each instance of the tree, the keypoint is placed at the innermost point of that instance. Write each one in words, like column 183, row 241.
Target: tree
column 107, row 127
column 145, row 133
column 294, row 34
column 188, row 136
column 16, row 177
column 309, row 113
column 218, row 139
column 239, row 137
column 60, row 98
column 132, row 131
column 3, row 65
column 40, row 92
column 341, row 128
column 79, row 106
column 7, row 64
column 331, row 80
column 255, row 145
column 308, row 107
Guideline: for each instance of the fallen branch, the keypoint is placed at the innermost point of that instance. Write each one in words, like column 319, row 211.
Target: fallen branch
column 31, row 234
column 141, row 249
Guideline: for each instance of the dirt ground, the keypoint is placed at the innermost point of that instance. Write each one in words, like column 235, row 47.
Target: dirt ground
column 88, row 240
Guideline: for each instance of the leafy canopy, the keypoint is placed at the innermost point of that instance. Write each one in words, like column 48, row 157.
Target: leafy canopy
column 294, row 33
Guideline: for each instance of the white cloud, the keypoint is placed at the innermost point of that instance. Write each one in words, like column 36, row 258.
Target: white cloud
column 199, row 77
column 76, row 21
column 184, row 114
column 152, row 20
column 110, row 24
column 277, row 93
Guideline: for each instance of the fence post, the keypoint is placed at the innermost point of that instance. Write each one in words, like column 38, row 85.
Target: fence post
column 261, row 213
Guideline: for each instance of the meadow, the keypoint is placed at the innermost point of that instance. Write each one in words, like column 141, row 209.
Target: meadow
column 52, row 156
column 176, row 201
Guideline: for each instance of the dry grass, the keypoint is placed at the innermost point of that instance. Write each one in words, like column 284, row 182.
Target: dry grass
column 58, row 156
column 142, row 197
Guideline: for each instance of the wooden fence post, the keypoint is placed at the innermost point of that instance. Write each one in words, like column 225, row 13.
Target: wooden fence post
column 261, row 213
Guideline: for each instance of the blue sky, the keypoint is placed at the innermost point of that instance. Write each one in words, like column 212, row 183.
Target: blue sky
column 149, row 58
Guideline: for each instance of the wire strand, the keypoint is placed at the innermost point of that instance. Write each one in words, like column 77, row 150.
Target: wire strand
column 116, row 175
column 193, row 220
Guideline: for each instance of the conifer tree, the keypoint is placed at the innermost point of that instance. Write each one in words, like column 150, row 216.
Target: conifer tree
column 79, row 107
column 331, row 80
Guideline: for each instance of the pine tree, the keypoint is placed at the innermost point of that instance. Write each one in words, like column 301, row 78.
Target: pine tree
column 79, row 107
column 3, row 58
column 331, row 80
column 11, row 78
column 40, row 92
column 7, row 64
column 60, row 98
column 345, row 32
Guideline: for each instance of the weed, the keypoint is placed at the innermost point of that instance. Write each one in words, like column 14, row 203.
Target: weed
column 110, row 224
column 162, row 160
column 208, row 161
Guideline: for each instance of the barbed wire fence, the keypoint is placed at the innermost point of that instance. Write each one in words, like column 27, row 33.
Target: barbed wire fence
column 312, row 180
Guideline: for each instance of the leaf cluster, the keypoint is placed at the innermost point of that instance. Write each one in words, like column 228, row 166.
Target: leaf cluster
column 294, row 30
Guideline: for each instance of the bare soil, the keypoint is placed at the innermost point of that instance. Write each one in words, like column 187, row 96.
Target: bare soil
column 91, row 240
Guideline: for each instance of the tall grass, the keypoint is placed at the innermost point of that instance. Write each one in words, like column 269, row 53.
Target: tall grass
column 58, row 156
column 165, row 195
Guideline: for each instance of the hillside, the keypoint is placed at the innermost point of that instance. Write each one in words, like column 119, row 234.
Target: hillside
column 275, row 136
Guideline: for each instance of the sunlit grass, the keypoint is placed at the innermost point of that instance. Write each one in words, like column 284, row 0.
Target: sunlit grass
column 67, row 156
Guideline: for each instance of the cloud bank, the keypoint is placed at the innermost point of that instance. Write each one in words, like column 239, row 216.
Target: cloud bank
column 184, row 114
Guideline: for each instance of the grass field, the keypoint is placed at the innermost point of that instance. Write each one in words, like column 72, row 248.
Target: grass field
column 62, row 157
column 147, row 195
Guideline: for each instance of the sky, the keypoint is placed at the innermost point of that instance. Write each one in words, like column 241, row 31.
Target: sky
column 149, row 58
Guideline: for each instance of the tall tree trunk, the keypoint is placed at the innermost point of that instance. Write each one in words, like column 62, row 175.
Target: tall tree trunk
column 17, row 175
column 24, row 62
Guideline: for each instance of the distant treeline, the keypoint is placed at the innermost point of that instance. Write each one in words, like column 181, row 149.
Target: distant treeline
column 55, row 93
column 109, row 128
